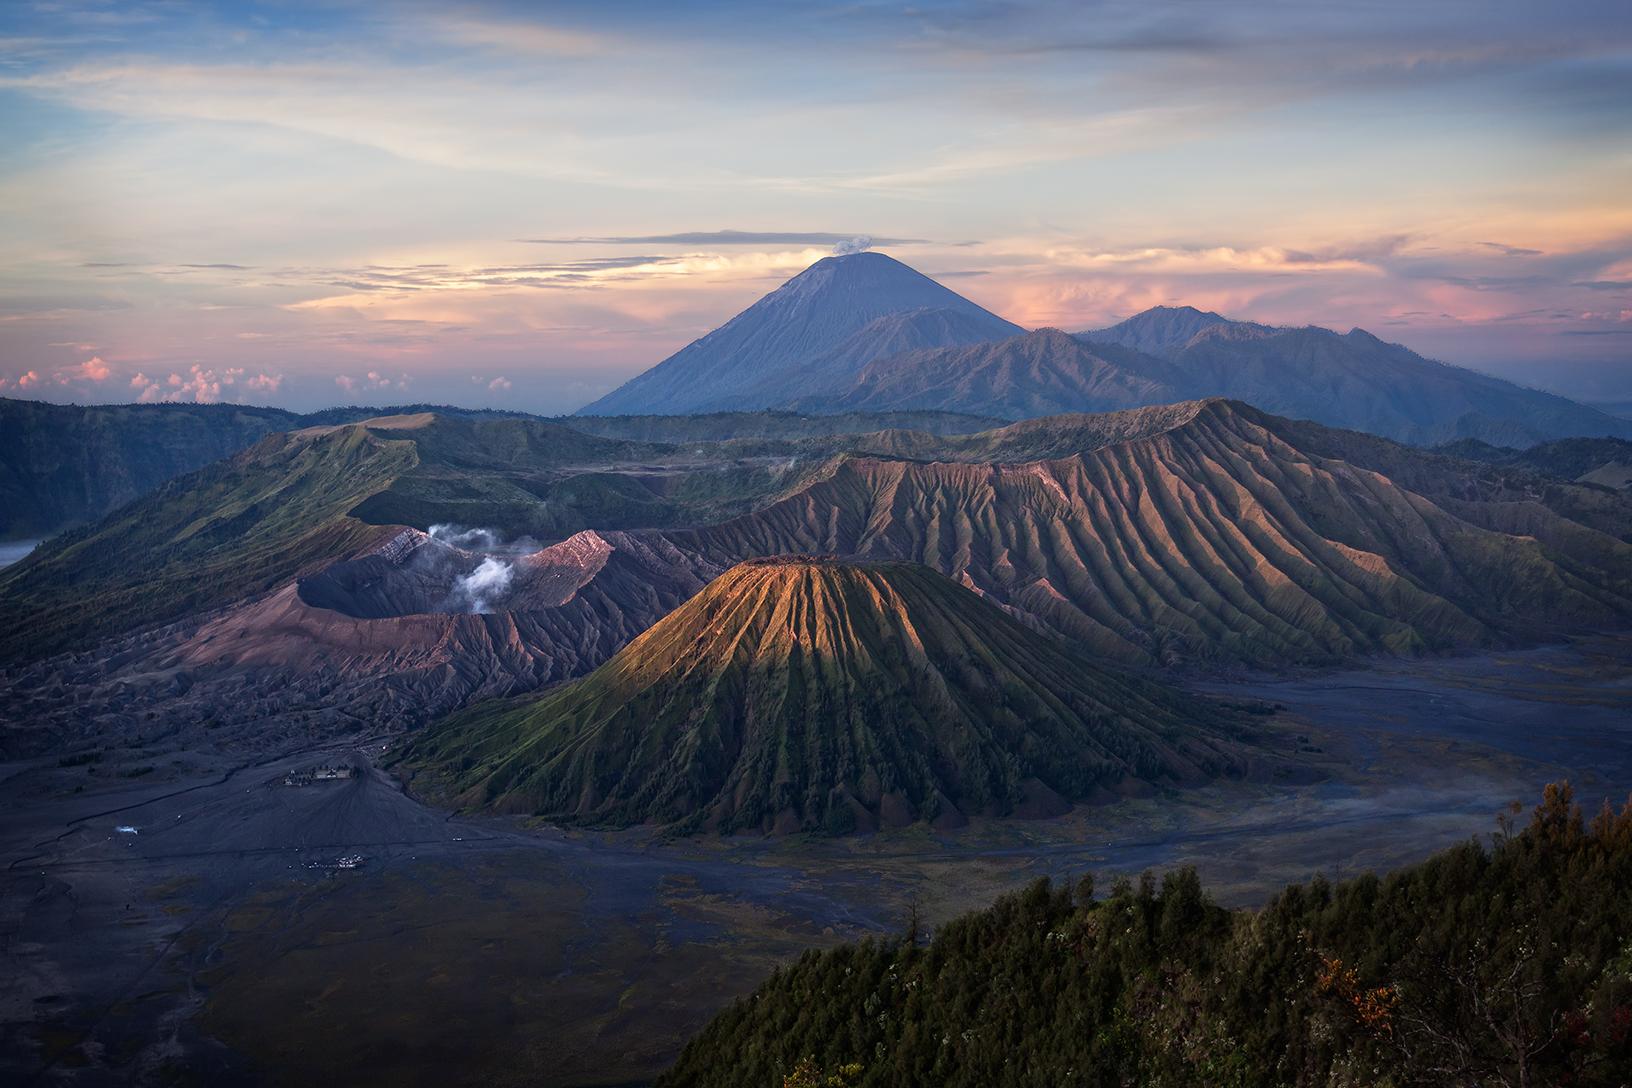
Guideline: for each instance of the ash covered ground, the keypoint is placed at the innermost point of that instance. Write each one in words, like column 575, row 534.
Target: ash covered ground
column 174, row 912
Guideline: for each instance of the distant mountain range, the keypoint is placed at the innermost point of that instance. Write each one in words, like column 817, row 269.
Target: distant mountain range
column 853, row 344
column 1352, row 380
column 864, row 332
column 802, row 693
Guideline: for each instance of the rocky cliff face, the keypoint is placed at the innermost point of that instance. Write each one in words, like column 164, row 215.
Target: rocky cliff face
column 63, row 465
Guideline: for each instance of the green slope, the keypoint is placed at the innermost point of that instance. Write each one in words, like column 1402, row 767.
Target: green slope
column 818, row 694
column 229, row 530
column 66, row 464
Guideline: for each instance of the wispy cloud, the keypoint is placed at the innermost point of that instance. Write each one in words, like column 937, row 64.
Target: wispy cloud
column 1511, row 251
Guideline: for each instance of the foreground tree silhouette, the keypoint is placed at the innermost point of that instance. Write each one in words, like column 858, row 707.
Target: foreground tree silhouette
column 1507, row 963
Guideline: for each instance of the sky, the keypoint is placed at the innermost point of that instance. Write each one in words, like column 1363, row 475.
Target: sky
column 523, row 205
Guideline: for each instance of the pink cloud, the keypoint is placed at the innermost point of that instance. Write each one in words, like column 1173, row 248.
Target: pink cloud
column 93, row 369
column 31, row 378
column 201, row 385
column 499, row 385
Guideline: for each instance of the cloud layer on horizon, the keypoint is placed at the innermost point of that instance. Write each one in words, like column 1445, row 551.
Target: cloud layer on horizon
column 290, row 196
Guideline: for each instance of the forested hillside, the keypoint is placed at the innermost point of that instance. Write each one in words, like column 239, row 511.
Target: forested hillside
column 1501, row 964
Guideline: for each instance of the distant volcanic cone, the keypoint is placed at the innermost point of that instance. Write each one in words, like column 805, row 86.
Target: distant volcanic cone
column 803, row 693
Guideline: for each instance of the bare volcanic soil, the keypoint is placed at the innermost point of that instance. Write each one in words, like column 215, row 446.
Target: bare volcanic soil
column 1217, row 535
column 817, row 694
column 1200, row 537
column 384, row 642
column 219, row 941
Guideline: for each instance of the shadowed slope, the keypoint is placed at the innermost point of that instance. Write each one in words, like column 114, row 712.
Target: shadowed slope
column 810, row 693
column 809, row 316
column 1606, row 462
column 65, row 464
column 1348, row 379
column 68, row 464
column 1036, row 374
column 888, row 336
column 1212, row 535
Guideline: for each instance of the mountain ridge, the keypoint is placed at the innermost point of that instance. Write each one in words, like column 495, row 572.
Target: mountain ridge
column 1212, row 536
column 874, row 334
column 1199, row 537
column 1124, row 530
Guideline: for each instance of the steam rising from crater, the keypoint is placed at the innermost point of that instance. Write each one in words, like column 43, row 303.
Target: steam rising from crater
column 484, row 588
column 470, row 540
column 859, row 244
column 477, row 591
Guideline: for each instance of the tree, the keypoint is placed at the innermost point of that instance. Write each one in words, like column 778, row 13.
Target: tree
column 807, row 1074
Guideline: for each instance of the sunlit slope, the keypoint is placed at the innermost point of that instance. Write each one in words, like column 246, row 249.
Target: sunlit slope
column 1209, row 536
column 811, row 693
